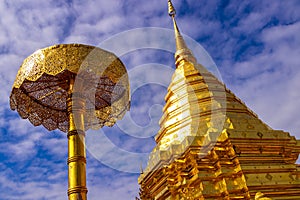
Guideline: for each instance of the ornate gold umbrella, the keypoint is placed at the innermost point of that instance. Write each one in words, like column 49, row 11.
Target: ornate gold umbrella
column 72, row 87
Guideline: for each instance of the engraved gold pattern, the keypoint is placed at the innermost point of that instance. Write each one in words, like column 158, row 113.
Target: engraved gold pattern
column 191, row 160
column 72, row 87
column 40, row 90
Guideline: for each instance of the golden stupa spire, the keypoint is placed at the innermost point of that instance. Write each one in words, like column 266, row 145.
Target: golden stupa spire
column 210, row 145
column 182, row 51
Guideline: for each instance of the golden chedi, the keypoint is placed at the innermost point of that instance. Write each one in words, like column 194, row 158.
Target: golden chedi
column 212, row 146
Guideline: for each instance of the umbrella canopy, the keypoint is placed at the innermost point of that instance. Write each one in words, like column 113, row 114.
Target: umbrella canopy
column 42, row 86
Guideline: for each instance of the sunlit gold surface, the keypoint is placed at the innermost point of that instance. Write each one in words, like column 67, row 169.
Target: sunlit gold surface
column 76, row 146
column 73, row 88
column 40, row 89
column 212, row 146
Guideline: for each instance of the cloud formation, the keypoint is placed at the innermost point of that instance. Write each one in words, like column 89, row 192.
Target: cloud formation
column 254, row 43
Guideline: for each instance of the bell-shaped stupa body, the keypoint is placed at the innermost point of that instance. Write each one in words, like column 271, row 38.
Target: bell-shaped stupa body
column 212, row 146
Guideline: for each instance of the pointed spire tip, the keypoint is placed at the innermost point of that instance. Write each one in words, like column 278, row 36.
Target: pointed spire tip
column 172, row 11
column 182, row 51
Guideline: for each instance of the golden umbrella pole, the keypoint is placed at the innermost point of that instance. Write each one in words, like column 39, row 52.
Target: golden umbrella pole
column 76, row 145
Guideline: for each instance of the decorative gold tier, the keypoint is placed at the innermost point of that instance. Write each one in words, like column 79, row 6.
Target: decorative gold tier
column 212, row 146
column 196, row 158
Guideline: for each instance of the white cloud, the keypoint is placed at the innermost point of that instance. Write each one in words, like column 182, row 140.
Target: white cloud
column 264, row 40
column 23, row 149
column 273, row 73
column 56, row 146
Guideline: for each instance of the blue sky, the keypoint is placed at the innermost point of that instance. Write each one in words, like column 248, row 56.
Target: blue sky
column 255, row 44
